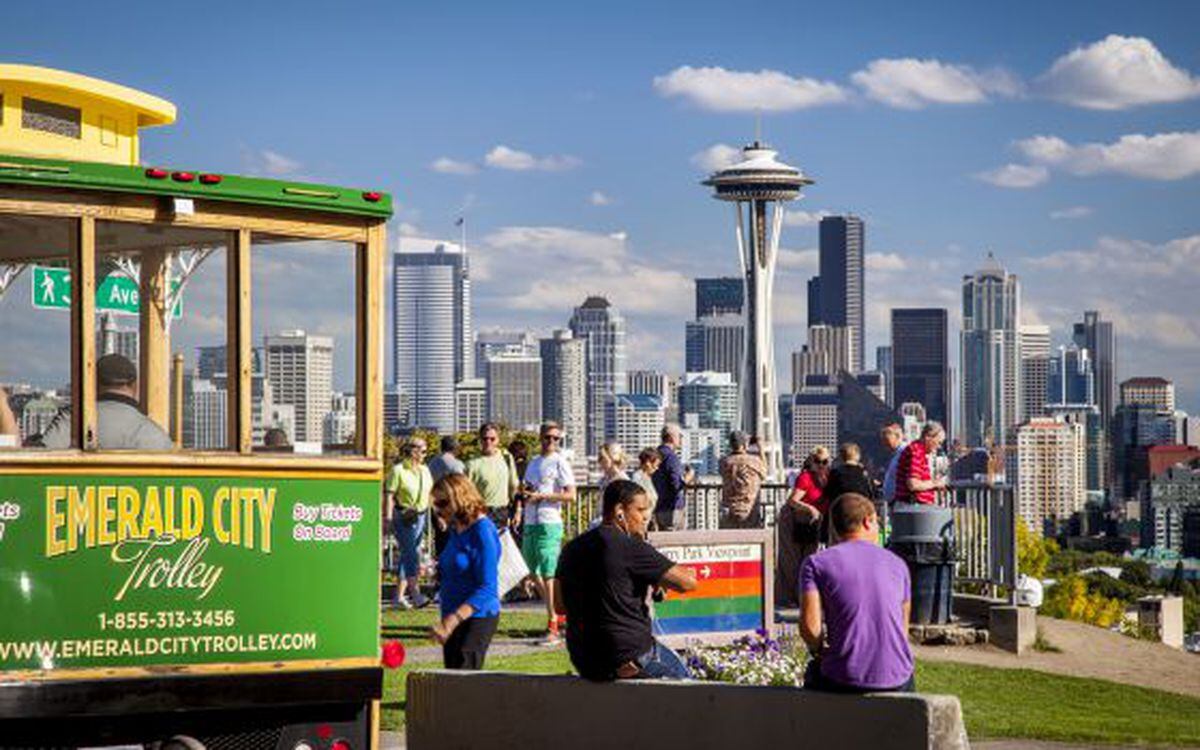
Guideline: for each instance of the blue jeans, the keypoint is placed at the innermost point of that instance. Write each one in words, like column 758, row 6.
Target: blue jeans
column 661, row 663
column 408, row 538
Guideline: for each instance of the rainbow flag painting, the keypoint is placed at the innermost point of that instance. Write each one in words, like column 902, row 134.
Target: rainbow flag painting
column 729, row 597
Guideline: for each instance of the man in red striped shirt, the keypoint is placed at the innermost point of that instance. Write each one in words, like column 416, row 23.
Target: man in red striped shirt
column 914, row 474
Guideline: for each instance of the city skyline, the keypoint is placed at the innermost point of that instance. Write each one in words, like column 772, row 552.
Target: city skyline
column 951, row 132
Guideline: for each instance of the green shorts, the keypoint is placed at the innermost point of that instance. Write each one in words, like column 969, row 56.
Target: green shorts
column 540, row 546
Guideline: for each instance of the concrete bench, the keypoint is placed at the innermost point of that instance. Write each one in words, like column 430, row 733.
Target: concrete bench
column 453, row 710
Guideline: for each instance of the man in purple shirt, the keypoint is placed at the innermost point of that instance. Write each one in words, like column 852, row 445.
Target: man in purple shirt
column 861, row 591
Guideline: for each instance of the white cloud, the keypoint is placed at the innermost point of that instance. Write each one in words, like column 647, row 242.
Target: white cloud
column 886, row 262
column 1072, row 212
column 573, row 264
column 503, row 157
column 1124, row 259
column 446, row 165
column 407, row 229
column 722, row 90
column 717, row 156
column 798, row 260
column 804, row 218
column 1117, row 72
column 909, row 83
column 1143, row 287
column 1015, row 176
column 1165, row 156
column 598, row 198
column 269, row 163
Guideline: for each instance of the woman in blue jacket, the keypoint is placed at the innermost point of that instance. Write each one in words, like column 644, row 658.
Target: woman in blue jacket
column 467, row 569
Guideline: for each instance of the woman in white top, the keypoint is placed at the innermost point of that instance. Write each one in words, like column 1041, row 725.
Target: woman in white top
column 648, row 461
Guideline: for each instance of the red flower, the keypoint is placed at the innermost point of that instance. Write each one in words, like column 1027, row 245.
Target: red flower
column 393, row 654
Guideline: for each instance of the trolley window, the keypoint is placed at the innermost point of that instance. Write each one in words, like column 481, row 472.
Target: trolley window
column 36, row 254
column 305, row 323
column 161, row 337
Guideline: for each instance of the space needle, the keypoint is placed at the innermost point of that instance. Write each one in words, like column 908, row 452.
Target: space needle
column 757, row 181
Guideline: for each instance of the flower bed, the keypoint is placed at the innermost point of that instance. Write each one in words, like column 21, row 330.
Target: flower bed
column 752, row 660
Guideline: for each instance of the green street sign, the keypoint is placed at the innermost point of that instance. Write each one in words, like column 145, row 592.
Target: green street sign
column 51, row 290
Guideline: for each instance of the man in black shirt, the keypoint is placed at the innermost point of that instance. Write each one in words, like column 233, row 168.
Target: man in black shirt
column 603, row 578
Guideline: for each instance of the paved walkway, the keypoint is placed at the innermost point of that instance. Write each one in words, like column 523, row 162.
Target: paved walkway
column 1088, row 652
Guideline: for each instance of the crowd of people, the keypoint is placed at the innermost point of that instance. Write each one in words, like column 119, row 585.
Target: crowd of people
column 853, row 595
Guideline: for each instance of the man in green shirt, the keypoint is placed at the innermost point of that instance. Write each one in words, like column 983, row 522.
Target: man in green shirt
column 494, row 475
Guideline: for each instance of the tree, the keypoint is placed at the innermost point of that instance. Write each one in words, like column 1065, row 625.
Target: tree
column 1069, row 599
column 1033, row 552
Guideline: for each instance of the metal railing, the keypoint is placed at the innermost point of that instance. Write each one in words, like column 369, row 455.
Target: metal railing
column 985, row 532
column 985, row 536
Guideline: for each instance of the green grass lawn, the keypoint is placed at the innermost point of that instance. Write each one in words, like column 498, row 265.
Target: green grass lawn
column 1035, row 705
column 412, row 626
column 1017, row 703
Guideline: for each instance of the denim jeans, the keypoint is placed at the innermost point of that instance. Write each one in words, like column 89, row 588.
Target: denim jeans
column 661, row 663
column 408, row 539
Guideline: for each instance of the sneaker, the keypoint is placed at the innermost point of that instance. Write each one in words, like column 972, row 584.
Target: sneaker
column 403, row 603
column 552, row 637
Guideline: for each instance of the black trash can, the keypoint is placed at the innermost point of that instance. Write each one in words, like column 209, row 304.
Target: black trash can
column 923, row 536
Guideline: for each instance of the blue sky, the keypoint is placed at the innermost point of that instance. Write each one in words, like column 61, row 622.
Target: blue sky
column 902, row 113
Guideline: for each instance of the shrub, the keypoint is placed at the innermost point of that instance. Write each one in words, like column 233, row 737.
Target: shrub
column 751, row 660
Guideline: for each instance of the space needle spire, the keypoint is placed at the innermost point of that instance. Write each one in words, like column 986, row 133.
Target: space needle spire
column 758, row 186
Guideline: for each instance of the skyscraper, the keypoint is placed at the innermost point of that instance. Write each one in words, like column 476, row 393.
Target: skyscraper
column 299, row 368
column 432, row 343
column 829, row 351
column 514, row 390
column 719, row 295
column 1035, row 370
column 1071, row 379
column 1149, row 391
column 637, row 420
column 1097, row 337
column 564, row 386
column 470, row 403
column 1095, row 440
column 496, row 341
column 717, row 343
column 883, row 363
column 1051, row 483
column 652, row 382
column 991, row 355
column 712, row 397
column 841, row 284
column 921, row 361
column 599, row 323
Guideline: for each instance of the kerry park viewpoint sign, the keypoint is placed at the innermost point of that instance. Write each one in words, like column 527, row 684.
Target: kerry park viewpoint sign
column 51, row 290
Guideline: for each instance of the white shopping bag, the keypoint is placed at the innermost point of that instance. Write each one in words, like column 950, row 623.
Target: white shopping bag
column 512, row 564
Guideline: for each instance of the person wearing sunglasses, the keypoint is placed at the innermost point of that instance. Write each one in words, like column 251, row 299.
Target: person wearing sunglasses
column 468, row 569
column 494, row 475
column 799, row 525
column 406, row 509
column 549, row 482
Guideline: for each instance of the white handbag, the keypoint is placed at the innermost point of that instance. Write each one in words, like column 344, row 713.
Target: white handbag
column 512, row 569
